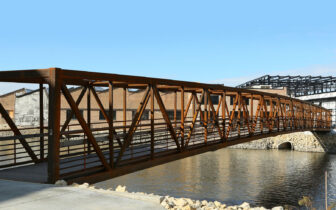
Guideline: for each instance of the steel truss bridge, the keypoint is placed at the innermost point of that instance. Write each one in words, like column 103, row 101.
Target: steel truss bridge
column 86, row 152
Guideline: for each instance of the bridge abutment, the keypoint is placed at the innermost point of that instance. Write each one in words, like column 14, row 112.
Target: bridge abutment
column 299, row 141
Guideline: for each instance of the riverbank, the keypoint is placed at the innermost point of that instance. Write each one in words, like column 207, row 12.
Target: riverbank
column 172, row 203
column 31, row 196
column 24, row 195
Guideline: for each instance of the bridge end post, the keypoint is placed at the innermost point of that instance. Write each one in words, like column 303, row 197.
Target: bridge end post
column 54, row 125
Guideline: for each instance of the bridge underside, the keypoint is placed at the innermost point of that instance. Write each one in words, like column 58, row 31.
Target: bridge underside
column 142, row 122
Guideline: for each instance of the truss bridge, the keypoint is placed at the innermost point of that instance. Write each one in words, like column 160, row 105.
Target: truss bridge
column 96, row 126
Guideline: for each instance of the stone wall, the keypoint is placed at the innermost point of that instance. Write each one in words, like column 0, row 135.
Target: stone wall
column 300, row 141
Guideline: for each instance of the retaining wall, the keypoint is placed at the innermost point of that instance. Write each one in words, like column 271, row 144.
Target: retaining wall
column 300, row 141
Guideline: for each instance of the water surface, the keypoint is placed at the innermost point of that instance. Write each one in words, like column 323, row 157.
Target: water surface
column 261, row 177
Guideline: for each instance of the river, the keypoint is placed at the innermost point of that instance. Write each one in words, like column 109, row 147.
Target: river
column 260, row 177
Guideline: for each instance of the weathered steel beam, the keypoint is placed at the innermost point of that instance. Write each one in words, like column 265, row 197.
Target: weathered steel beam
column 17, row 132
column 54, row 125
column 106, row 115
column 165, row 116
column 135, row 122
column 86, row 129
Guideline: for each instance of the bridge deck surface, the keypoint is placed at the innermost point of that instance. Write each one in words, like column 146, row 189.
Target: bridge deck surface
column 22, row 195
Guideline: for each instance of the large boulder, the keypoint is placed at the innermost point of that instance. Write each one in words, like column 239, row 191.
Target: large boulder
column 61, row 183
column 84, row 185
column 120, row 188
column 181, row 202
column 188, row 207
column 217, row 204
column 245, row 205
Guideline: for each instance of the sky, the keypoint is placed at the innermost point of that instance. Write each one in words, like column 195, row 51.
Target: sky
column 226, row 42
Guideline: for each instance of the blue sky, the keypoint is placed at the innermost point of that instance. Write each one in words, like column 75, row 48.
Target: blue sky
column 206, row 41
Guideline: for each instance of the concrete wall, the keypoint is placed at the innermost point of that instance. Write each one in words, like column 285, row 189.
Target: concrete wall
column 27, row 109
column 8, row 102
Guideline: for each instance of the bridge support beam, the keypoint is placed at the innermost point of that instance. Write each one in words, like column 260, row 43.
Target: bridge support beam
column 54, row 125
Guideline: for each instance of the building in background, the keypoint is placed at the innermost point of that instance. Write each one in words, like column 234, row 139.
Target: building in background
column 27, row 108
column 8, row 102
column 24, row 105
column 319, row 90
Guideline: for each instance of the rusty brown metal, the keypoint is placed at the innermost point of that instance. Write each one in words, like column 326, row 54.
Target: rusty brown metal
column 17, row 132
column 41, row 122
column 160, row 137
column 86, row 129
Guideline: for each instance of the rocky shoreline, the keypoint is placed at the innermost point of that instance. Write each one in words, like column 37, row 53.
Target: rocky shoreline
column 168, row 202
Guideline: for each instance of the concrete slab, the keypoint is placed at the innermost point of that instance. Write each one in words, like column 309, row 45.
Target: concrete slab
column 22, row 195
column 29, row 173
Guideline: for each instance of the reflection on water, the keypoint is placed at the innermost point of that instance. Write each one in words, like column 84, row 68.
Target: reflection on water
column 261, row 177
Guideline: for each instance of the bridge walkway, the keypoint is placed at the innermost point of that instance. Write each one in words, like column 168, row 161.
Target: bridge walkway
column 172, row 120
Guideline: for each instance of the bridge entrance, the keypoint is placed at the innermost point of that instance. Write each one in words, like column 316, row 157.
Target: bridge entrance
column 100, row 125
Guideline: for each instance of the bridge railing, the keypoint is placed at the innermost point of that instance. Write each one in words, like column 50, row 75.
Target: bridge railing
column 146, row 121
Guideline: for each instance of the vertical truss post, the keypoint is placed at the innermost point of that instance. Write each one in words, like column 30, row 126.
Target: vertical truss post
column 223, row 114
column 182, row 117
column 261, row 114
column 291, row 114
column 54, row 125
column 303, row 115
column 111, row 137
column 239, row 112
column 310, row 116
column 321, row 118
column 278, row 114
column 88, row 115
column 205, row 116
column 194, row 104
column 124, row 109
column 251, row 110
column 152, row 120
column 246, row 116
column 41, row 123
column 175, row 107
column 271, row 115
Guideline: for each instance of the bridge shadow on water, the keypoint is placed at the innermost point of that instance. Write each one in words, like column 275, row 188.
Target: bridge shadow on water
column 232, row 176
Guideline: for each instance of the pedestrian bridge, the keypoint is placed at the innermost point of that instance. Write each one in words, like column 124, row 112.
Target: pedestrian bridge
column 170, row 120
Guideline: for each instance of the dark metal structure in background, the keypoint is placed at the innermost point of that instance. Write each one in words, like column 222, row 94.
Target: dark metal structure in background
column 83, row 152
column 296, row 85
